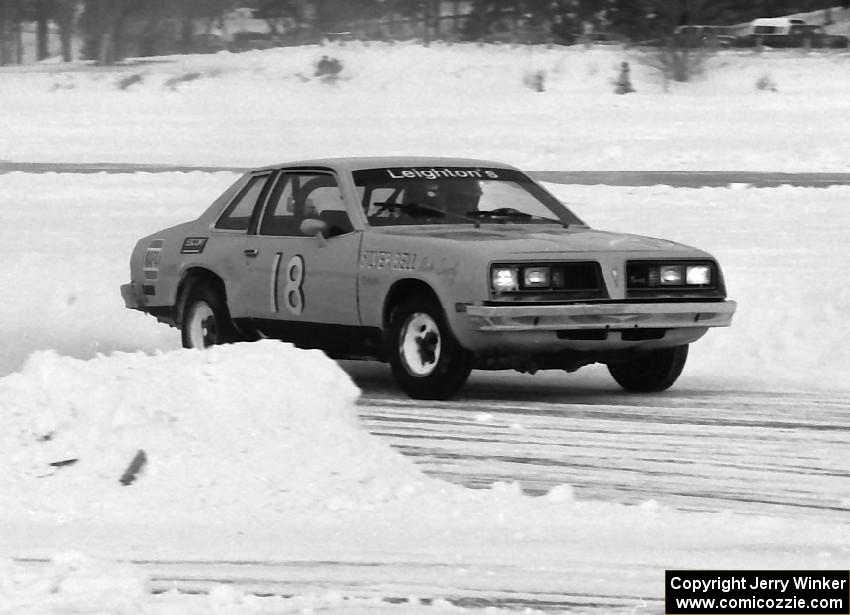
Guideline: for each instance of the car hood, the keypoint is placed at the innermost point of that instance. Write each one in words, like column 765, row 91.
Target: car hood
column 522, row 239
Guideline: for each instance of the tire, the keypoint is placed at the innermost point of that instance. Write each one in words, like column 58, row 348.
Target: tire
column 205, row 320
column 427, row 360
column 650, row 372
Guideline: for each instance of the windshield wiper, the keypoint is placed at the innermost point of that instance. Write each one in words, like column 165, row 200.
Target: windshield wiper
column 420, row 209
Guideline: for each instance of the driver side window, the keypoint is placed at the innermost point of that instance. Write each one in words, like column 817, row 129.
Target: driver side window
column 298, row 196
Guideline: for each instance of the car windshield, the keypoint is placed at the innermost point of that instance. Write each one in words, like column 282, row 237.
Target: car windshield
column 456, row 195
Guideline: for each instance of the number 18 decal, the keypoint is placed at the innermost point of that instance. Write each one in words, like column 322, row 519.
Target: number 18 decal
column 294, row 279
column 293, row 296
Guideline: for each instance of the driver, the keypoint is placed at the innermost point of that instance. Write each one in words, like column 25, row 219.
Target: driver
column 453, row 197
column 460, row 197
column 420, row 193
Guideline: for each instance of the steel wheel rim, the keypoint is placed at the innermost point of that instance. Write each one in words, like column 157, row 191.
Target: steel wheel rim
column 420, row 344
column 202, row 326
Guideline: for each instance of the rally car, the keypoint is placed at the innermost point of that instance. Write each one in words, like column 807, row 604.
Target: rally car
column 437, row 266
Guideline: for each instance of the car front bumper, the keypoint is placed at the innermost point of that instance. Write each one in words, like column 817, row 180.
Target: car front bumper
column 614, row 316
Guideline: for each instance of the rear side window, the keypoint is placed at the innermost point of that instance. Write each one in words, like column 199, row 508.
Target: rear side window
column 237, row 216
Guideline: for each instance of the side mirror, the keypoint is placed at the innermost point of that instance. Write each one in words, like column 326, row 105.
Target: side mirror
column 313, row 227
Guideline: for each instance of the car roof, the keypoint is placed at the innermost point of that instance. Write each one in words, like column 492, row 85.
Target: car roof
column 357, row 163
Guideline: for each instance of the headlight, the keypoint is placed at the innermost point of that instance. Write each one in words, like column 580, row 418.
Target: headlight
column 698, row 275
column 547, row 281
column 504, row 279
column 536, row 277
column 648, row 275
column 670, row 275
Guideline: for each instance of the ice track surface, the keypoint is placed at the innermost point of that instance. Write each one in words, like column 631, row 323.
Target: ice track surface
column 744, row 451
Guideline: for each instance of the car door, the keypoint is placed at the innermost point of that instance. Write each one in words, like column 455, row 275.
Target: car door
column 300, row 288
column 231, row 239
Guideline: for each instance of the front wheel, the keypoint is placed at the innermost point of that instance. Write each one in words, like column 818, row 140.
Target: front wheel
column 652, row 371
column 206, row 320
column 426, row 359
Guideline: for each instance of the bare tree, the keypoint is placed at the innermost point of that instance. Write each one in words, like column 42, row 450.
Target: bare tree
column 110, row 13
column 10, row 32
column 677, row 59
column 65, row 12
column 41, row 14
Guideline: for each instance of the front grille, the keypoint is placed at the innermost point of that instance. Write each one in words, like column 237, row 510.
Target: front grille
column 583, row 335
column 627, row 335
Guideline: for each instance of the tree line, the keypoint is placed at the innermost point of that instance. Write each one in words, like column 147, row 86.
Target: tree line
column 113, row 29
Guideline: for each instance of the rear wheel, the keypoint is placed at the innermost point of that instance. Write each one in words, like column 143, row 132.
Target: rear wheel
column 652, row 371
column 206, row 320
column 426, row 359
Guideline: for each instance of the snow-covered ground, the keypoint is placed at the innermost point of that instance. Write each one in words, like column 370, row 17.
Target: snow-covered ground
column 257, row 107
column 254, row 452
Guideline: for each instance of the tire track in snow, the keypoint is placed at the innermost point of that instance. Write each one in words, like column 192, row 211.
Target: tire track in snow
column 333, row 583
column 750, row 452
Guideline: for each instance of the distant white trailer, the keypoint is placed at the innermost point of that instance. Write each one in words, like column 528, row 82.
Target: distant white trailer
column 774, row 25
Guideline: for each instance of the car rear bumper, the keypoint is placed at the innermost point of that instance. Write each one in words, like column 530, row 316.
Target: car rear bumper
column 134, row 296
column 616, row 316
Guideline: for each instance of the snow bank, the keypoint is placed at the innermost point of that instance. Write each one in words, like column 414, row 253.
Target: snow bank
column 263, row 423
